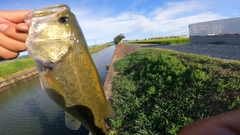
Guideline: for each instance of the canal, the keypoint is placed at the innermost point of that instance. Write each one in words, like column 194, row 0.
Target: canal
column 26, row 110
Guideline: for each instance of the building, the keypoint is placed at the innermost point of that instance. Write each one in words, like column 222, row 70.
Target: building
column 225, row 31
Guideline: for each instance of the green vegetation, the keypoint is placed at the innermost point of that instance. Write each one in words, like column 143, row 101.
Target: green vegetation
column 14, row 66
column 158, row 91
column 165, row 41
column 118, row 39
column 11, row 67
column 97, row 48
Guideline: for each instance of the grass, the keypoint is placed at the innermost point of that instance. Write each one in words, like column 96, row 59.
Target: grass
column 14, row 66
column 157, row 91
column 96, row 48
column 166, row 41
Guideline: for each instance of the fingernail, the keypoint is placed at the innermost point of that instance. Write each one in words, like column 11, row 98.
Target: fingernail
column 3, row 27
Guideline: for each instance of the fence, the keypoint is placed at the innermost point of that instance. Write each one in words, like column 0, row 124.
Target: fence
column 226, row 31
column 217, row 27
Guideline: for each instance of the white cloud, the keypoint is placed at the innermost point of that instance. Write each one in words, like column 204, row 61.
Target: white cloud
column 171, row 19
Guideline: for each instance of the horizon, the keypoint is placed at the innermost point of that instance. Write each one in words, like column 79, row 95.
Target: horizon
column 103, row 20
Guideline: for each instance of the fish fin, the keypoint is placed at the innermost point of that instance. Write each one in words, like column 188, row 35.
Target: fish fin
column 110, row 112
column 42, row 81
column 71, row 122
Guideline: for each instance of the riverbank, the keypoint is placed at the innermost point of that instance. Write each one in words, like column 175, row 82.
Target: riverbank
column 120, row 52
column 18, row 77
column 97, row 48
column 23, row 74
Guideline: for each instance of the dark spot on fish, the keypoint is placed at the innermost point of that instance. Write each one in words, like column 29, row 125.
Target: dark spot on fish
column 78, row 111
column 63, row 19
column 86, row 113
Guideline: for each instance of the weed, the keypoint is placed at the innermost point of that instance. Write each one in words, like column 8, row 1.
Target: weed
column 11, row 67
column 158, row 91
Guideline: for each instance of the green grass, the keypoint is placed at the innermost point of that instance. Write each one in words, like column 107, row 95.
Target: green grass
column 11, row 67
column 96, row 48
column 158, row 91
column 14, row 66
column 167, row 41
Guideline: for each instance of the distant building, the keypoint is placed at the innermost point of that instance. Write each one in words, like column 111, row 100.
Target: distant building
column 181, row 36
column 225, row 31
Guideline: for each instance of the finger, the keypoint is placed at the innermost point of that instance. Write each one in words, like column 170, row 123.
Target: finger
column 11, row 32
column 222, row 124
column 231, row 120
column 11, row 44
column 6, row 54
column 22, row 27
column 16, row 16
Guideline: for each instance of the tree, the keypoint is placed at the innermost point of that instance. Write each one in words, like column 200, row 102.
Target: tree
column 118, row 39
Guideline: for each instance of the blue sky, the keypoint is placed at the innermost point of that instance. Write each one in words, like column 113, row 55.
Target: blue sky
column 102, row 20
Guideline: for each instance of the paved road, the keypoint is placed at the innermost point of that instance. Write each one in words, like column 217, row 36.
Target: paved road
column 220, row 51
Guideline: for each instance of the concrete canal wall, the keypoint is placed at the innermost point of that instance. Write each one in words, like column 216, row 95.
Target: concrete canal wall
column 17, row 77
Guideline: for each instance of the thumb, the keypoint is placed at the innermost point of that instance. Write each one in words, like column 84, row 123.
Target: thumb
column 22, row 27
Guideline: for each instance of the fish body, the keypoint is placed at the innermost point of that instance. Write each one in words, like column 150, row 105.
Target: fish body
column 66, row 70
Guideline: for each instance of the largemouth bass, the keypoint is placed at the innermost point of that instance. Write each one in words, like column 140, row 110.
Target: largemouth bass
column 66, row 70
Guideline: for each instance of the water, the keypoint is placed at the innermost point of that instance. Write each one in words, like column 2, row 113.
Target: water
column 26, row 110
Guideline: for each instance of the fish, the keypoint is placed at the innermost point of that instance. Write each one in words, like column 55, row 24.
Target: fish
column 66, row 70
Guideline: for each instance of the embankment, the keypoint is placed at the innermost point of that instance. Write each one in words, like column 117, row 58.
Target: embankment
column 120, row 52
column 17, row 77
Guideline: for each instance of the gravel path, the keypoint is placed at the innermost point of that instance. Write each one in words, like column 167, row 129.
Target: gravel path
column 220, row 51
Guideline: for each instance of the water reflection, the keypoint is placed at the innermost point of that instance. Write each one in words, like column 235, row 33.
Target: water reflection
column 101, row 59
column 25, row 109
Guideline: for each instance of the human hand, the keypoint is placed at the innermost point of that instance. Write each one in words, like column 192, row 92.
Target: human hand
column 13, row 33
column 223, row 124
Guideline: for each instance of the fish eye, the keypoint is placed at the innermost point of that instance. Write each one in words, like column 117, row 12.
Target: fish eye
column 63, row 19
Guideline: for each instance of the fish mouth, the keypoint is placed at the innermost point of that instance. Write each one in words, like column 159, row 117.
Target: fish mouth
column 45, row 13
column 41, row 15
column 36, row 43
